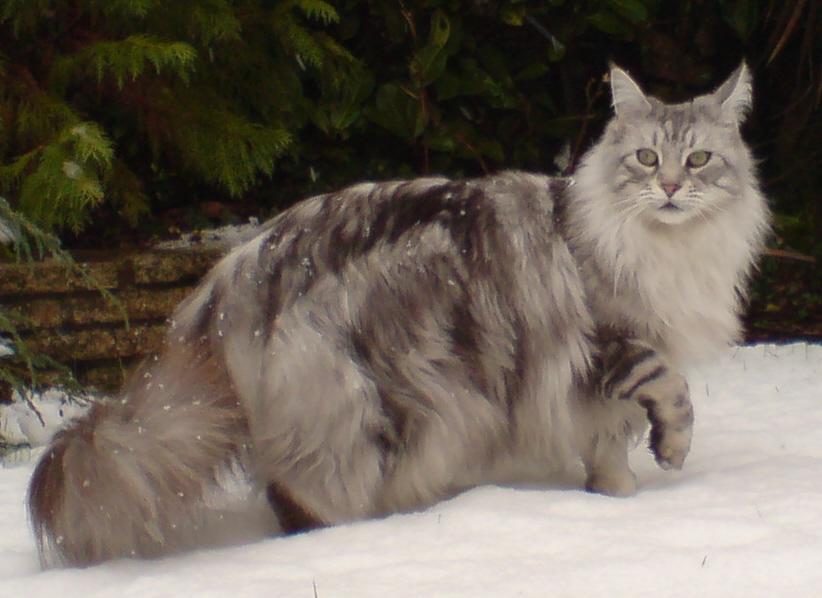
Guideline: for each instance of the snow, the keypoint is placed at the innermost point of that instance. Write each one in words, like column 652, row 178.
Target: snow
column 225, row 237
column 8, row 232
column 33, row 420
column 744, row 518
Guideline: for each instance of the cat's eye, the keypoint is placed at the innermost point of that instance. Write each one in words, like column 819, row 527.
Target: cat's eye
column 647, row 157
column 698, row 158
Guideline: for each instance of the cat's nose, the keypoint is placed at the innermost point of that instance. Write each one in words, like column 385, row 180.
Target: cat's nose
column 670, row 188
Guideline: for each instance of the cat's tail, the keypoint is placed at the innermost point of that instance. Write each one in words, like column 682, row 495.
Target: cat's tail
column 134, row 476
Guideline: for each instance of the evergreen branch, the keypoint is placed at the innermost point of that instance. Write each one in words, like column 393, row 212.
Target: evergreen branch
column 40, row 116
column 237, row 152
column 135, row 8
column 296, row 38
column 90, row 143
column 318, row 10
column 334, row 49
column 57, row 182
column 23, row 14
column 125, row 190
column 24, row 365
column 221, row 145
column 11, row 174
column 125, row 59
column 214, row 22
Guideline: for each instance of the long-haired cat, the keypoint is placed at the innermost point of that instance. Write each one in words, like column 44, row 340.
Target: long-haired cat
column 379, row 348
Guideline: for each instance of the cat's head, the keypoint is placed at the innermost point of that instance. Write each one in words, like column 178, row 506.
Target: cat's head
column 673, row 163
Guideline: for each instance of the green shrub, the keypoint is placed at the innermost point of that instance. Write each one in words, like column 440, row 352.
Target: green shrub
column 101, row 99
column 129, row 107
column 140, row 105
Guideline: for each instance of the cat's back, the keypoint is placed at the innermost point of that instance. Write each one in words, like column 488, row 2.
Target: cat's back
column 427, row 245
column 475, row 229
column 334, row 229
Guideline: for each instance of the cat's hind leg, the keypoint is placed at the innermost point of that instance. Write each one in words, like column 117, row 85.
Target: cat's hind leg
column 324, row 466
column 317, row 427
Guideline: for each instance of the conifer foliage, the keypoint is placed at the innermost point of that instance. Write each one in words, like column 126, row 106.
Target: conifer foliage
column 99, row 99
column 137, row 104
column 133, row 105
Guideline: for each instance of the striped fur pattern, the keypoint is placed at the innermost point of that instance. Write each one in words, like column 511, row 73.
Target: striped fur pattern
column 377, row 349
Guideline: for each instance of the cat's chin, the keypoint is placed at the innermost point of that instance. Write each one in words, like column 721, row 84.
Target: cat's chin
column 670, row 214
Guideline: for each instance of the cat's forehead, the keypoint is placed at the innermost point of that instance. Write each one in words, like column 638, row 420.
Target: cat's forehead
column 687, row 123
column 678, row 115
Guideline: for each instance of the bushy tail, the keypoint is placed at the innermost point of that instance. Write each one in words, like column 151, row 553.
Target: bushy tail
column 133, row 477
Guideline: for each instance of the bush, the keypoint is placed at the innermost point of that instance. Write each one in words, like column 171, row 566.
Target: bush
column 109, row 100
column 112, row 111
column 129, row 107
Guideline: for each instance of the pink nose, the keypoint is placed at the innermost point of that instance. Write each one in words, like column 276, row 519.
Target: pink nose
column 670, row 188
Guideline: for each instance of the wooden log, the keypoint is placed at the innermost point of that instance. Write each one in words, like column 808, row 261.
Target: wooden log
column 71, row 346
column 92, row 308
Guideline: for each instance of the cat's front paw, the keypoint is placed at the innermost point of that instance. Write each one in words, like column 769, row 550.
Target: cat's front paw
column 671, row 431
column 671, row 449
column 619, row 484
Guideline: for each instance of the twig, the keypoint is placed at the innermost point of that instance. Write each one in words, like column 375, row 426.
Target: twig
column 591, row 97
column 789, row 255
column 789, row 28
column 421, row 94
column 30, row 404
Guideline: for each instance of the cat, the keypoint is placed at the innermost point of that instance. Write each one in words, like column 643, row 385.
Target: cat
column 380, row 348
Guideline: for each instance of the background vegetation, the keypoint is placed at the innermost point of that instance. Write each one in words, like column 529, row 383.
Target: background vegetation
column 122, row 119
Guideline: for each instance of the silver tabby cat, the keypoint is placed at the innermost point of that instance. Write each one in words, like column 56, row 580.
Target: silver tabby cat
column 380, row 348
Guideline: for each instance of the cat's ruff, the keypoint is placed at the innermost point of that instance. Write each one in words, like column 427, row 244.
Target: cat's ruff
column 377, row 349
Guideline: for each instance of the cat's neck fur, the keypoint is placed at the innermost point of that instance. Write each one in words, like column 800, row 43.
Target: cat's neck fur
column 679, row 287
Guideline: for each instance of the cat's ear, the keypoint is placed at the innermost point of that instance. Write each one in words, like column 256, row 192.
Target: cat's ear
column 627, row 97
column 734, row 97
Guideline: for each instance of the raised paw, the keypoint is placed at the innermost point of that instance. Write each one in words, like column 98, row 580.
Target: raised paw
column 671, row 449
column 671, row 431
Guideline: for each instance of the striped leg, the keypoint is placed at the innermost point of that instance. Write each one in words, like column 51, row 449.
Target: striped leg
column 635, row 372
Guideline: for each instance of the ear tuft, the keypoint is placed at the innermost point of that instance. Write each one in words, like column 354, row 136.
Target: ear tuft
column 735, row 95
column 627, row 97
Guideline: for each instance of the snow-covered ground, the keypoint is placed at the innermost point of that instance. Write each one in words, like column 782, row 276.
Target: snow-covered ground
column 744, row 518
column 227, row 236
column 32, row 420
